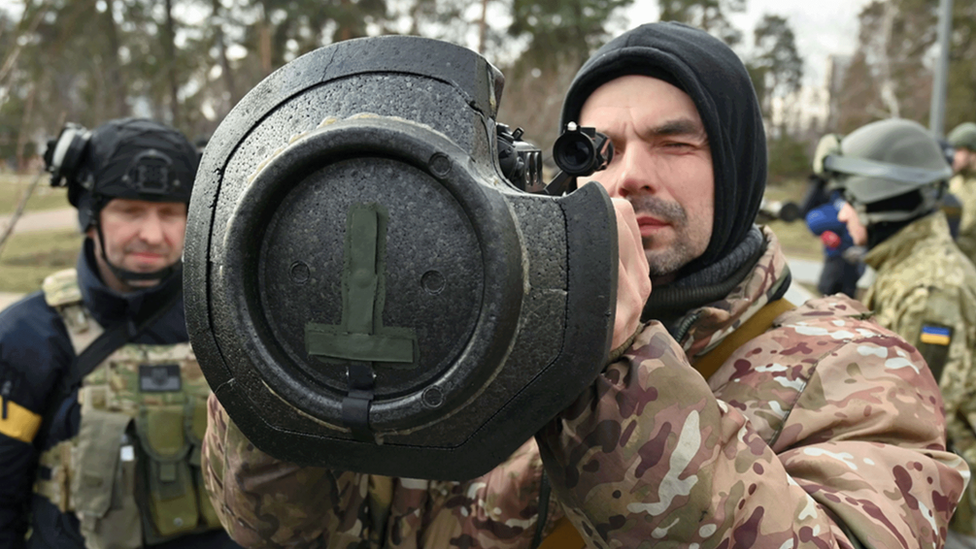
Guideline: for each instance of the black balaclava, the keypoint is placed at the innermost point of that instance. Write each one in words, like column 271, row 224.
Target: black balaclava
column 908, row 202
column 717, row 82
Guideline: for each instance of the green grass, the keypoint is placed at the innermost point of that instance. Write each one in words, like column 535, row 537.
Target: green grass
column 29, row 257
column 45, row 197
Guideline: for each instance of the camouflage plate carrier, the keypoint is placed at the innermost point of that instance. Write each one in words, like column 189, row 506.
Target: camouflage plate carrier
column 132, row 473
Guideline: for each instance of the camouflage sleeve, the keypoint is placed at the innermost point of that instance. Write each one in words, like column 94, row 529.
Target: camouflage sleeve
column 940, row 323
column 966, row 240
column 967, row 236
column 649, row 452
column 264, row 502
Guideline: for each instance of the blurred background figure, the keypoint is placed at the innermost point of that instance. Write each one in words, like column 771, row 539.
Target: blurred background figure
column 963, row 185
column 842, row 266
column 103, row 400
column 893, row 174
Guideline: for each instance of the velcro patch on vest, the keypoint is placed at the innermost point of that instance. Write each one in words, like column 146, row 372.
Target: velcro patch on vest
column 933, row 344
column 159, row 378
column 935, row 335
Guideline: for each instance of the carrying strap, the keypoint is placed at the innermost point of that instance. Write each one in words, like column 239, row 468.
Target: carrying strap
column 114, row 338
column 565, row 536
column 750, row 329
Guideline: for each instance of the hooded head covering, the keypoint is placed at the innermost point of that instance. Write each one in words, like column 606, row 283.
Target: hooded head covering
column 716, row 80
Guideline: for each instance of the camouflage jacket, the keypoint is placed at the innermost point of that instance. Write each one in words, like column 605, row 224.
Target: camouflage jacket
column 925, row 290
column 964, row 187
column 824, row 430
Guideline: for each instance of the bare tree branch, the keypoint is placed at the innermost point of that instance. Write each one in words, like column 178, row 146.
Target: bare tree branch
column 9, row 230
column 11, row 60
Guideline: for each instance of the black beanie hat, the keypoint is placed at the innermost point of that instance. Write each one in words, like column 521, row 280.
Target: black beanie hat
column 716, row 80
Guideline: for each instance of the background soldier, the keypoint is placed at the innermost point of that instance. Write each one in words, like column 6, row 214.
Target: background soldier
column 103, row 401
column 963, row 185
column 925, row 287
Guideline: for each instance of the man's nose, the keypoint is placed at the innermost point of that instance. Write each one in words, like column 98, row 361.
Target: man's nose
column 844, row 213
column 631, row 174
column 151, row 230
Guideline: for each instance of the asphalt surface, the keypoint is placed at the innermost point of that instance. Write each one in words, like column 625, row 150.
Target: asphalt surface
column 45, row 220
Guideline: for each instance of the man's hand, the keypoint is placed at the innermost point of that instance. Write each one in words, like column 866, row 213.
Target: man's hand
column 633, row 274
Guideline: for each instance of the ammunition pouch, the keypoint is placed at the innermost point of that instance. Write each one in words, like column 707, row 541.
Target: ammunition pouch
column 132, row 481
column 171, row 497
column 103, row 483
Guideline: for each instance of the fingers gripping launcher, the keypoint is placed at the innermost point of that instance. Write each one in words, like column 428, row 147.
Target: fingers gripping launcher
column 365, row 289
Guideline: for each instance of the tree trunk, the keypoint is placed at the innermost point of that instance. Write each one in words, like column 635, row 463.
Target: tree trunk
column 264, row 40
column 226, row 73
column 889, row 87
column 23, row 130
column 483, row 27
column 170, row 48
column 117, row 89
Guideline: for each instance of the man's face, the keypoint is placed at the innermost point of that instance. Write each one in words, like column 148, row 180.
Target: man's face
column 139, row 236
column 661, row 163
column 848, row 216
column 964, row 160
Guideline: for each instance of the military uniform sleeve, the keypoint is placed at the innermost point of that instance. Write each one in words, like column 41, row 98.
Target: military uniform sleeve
column 264, row 502
column 856, row 456
column 967, row 223
column 940, row 323
column 824, row 218
column 33, row 353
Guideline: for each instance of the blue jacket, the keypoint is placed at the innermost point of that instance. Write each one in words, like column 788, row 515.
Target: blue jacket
column 824, row 218
column 35, row 354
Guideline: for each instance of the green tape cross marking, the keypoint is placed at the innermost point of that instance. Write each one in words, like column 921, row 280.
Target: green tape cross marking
column 362, row 337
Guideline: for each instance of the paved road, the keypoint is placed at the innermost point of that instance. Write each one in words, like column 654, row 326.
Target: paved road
column 7, row 298
column 808, row 272
column 62, row 218
column 45, row 220
column 805, row 270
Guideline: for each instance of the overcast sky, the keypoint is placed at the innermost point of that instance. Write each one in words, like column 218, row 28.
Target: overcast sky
column 822, row 27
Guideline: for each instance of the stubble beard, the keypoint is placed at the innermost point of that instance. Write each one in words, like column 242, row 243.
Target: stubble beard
column 665, row 261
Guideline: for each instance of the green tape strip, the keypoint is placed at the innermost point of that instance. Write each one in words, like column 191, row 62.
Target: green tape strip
column 359, row 347
column 360, row 269
column 361, row 337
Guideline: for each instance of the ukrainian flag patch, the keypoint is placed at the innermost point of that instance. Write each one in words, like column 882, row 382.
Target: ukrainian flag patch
column 935, row 335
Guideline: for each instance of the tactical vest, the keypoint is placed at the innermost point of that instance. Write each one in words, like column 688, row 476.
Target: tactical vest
column 132, row 473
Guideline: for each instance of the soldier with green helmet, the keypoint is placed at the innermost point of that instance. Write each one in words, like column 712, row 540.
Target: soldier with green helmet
column 963, row 185
column 893, row 174
column 103, row 402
